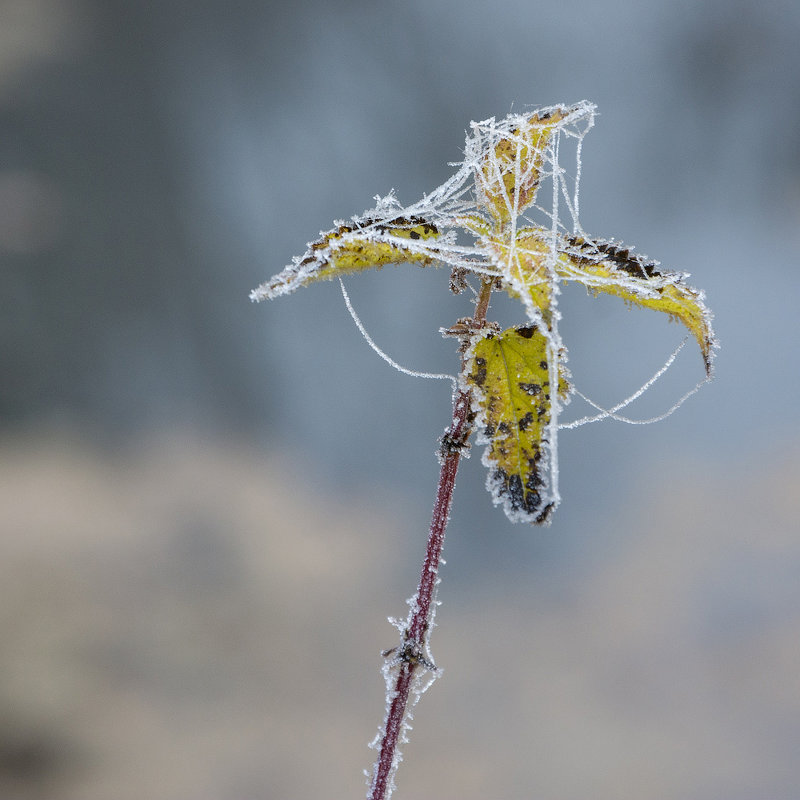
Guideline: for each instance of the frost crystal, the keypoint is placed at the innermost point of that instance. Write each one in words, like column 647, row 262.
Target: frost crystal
column 489, row 220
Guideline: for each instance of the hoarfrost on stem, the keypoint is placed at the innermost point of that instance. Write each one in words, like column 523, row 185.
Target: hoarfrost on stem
column 489, row 221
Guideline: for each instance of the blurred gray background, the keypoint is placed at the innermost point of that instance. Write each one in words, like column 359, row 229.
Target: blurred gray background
column 210, row 507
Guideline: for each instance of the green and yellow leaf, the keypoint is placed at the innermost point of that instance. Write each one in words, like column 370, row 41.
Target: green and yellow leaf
column 609, row 268
column 508, row 175
column 522, row 264
column 353, row 248
column 509, row 376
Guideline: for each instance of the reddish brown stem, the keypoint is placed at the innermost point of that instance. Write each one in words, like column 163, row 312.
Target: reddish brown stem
column 410, row 656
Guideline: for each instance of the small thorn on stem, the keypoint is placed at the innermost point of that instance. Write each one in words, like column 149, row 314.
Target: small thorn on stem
column 410, row 652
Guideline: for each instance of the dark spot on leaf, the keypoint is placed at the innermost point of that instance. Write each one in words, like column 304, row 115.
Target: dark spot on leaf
column 527, row 331
column 543, row 364
column 534, row 479
column 544, row 514
column 632, row 263
column 530, row 388
column 397, row 222
column 503, row 427
column 519, row 498
column 479, row 375
column 428, row 226
column 526, row 421
column 594, row 251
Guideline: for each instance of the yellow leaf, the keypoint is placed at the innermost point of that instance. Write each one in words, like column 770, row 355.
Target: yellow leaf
column 613, row 269
column 522, row 263
column 508, row 175
column 352, row 248
column 509, row 376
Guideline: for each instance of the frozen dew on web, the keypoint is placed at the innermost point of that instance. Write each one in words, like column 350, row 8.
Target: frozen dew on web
column 509, row 215
column 478, row 196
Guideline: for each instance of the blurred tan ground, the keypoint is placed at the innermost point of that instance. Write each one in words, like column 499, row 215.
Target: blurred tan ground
column 191, row 621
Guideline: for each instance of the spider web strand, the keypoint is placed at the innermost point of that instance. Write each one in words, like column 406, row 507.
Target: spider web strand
column 388, row 359
column 606, row 413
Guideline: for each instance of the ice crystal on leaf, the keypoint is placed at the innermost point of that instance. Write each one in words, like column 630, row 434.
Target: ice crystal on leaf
column 509, row 373
column 523, row 245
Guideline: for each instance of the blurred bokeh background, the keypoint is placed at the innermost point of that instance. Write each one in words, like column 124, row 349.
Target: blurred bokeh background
column 208, row 508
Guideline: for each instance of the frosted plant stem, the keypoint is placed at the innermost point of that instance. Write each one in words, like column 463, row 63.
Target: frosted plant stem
column 411, row 656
